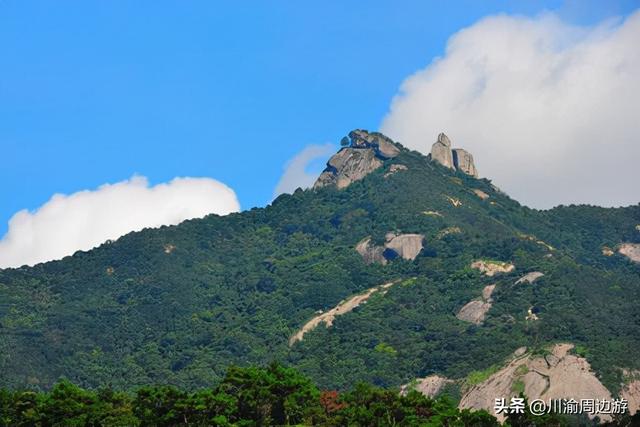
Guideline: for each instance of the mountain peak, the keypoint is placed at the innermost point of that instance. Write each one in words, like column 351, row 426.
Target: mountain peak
column 456, row 158
column 365, row 152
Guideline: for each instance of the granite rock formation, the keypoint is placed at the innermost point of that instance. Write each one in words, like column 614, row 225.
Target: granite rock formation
column 366, row 152
column 441, row 151
column 456, row 158
column 463, row 161
column 405, row 246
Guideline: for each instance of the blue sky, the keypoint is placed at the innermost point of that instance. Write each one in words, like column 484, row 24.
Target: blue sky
column 93, row 92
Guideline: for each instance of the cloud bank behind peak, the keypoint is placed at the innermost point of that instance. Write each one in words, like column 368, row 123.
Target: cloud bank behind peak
column 549, row 110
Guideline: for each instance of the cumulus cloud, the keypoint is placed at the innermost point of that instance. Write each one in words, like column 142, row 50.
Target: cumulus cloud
column 85, row 219
column 303, row 169
column 549, row 110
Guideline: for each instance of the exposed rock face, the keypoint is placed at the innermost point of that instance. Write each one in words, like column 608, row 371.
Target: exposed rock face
column 456, row 158
column 348, row 165
column 366, row 153
column 530, row 277
column 429, row 386
column 395, row 168
column 441, row 151
column 476, row 310
column 405, row 246
column 556, row 376
column 630, row 250
column 491, row 268
column 463, row 161
column 383, row 146
column 481, row 194
column 342, row 308
column 371, row 253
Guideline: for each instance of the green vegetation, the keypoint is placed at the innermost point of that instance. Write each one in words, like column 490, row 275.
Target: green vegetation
column 522, row 370
column 517, row 386
column 477, row 377
column 234, row 289
column 246, row 397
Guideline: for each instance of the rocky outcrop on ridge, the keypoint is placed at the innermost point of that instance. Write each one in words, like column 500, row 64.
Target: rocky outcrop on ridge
column 441, row 151
column 429, row 386
column 558, row 375
column 348, row 165
column 463, row 161
column 405, row 246
column 366, row 152
column 456, row 158
column 476, row 310
column 395, row 168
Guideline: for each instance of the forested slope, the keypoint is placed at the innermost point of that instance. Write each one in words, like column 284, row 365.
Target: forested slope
column 180, row 304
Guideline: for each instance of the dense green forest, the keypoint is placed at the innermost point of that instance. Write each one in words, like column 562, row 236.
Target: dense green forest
column 254, row 397
column 177, row 305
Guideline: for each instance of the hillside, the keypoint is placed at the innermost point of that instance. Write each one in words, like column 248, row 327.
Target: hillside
column 180, row 304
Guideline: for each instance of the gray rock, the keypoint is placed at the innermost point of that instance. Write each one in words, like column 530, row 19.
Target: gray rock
column 441, row 151
column 530, row 277
column 520, row 351
column 474, row 311
column 383, row 146
column 366, row 153
column 407, row 246
column 348, row 165
column 395, row 168
column 463, row 161
column 370, row 253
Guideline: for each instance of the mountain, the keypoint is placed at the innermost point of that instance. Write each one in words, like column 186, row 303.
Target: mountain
column 393, row 267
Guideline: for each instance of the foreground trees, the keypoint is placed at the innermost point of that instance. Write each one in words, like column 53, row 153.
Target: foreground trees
column 251, row 396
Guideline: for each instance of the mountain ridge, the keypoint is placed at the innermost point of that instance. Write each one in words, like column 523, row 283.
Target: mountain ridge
column 234, row 289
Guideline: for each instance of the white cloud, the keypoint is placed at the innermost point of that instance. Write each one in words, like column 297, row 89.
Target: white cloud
column 299, row 171
column 85, row 219
column 550, row 111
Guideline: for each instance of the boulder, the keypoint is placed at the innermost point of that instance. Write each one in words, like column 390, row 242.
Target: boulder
column 530, row 277
column 395, row 168
column 441, row 151
column 481, row 194
column 348, row 165
column 476, row 310
column 463, row 161
column 407, row 246
column 383, row 146
column 371, row 253
column 364, row 154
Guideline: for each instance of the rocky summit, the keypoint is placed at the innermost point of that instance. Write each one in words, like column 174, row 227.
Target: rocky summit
column 456, row 158
column 364, row 154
